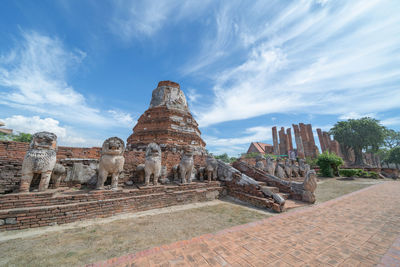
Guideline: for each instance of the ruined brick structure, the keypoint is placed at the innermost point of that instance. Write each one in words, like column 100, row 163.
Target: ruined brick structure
column 168, row 122
column 305, row 141
column 327, row 144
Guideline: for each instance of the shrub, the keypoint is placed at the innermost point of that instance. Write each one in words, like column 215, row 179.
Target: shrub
column 329, row 164
column 349, row 172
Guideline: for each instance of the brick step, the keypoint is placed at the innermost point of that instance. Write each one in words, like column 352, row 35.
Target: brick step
column 32, row 200
column 260, row 202
column 49, row 215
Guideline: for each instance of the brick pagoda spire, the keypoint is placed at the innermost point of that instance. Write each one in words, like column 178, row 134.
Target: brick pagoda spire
column 167, row 122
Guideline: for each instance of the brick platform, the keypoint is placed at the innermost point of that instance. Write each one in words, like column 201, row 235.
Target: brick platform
column 20, row 211
column 358, row 229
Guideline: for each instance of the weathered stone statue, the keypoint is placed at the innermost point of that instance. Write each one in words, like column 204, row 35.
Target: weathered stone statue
column 139, row 172
column 270, row 168
column 303, row 167
column 186, row 165
column 279, row 169
column 39, row 159
column 201, row 172
column 295, row 168
column 288, row 168
column 260, row 163
column 309, row 186
column 56, row 176
column 111, row 162
column 152, row 163
column 211, row 168
column 175, row 171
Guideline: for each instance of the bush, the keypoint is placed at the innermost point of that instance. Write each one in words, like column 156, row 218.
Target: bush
column 358, row 173
column 349, row 172
column 329, row 164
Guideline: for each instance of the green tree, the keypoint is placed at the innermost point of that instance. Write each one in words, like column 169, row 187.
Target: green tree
column 359, row 134
column 392, row 138
column 394, row 156
column 224, row 157
column 20, row 137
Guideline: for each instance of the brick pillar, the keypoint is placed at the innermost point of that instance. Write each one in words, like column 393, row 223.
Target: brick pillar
column 299, row 141
column 275, row 140
column 282, row 142
column 313, row 148
column 289, row 139
column 327, row 140
column 321, row 140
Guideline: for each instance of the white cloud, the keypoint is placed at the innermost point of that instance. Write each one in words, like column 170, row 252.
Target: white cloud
column 355, row 115
column 33, row 77
column 123, row 118
column 336, row 57
column 394, row 121
column 34, row 124
column 134, row 19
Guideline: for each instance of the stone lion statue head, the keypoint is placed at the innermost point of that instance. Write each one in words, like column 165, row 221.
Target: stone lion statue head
column 113, row 146
column 153, row 150
column 188, row 151
column 44, row 140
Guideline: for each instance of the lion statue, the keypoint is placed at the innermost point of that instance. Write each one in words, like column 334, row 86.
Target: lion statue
column 39, row 159
column 186, row 165
column 309, row 186
column 111, row 162
column 152, row 165
column 211, row 168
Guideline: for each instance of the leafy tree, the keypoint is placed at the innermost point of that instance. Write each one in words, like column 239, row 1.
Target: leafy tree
column 20, row 137
column 360, row 134
column 224, row 157
column 329, row 164
column 392, row 138
column 394, row 156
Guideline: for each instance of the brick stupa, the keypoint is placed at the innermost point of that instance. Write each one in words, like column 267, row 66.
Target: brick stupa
column 168, row 122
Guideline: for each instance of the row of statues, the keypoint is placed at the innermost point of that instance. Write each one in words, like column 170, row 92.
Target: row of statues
column 40, row 159
column 287, row 170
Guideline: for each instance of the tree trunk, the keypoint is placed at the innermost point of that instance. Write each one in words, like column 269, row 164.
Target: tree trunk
column 359, row 161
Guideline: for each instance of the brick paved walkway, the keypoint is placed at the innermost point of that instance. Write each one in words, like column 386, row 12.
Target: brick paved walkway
column 359, row 229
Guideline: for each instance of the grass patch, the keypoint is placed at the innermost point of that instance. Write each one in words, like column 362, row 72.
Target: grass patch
column 330, row 188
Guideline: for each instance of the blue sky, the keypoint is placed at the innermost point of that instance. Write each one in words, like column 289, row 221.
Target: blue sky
column 86, row 69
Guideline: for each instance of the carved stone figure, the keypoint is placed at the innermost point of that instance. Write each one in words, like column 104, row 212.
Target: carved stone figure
column 56, row 176
column 309, row 186
column 295, row 168
column 175, row 171
column 211, row 168
column 39, row 159
column 111, row 162
column 164, row 179
column 270, row 168
column 260, row 163
column 186, row 165
column 288, row 168
column 153, row 163
column 279, row 169
column 303, row 167
column 201, row 173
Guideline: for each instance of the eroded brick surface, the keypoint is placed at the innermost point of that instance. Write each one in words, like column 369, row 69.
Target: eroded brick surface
column 359, row 229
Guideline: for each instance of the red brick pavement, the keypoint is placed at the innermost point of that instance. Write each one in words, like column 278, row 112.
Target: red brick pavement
column 358, row 229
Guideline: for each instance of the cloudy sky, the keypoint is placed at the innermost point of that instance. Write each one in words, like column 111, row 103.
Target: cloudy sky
column 85, row 70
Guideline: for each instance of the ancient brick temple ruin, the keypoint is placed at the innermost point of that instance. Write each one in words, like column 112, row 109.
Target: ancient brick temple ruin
column 304, row 138
column 167, row 121
column 164, row 163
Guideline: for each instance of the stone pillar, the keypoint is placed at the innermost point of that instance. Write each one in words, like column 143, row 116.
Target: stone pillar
column 289, row 139
column 299, row 141
column 282, row 142
column 321, row 140
column 275, row 140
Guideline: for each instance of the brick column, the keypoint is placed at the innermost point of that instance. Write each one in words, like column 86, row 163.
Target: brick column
column 275, row 140
column 282, row 141
column 321, row 140
column 299, row 141
column 289, row 139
